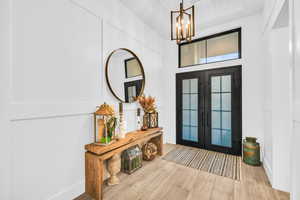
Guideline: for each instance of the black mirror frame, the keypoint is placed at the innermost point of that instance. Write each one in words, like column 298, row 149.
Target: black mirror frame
column 107, row 79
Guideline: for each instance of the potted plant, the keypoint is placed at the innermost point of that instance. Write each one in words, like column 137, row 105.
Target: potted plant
column 111, row 126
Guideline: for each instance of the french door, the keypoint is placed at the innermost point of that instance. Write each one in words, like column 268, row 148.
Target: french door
column 209, row 113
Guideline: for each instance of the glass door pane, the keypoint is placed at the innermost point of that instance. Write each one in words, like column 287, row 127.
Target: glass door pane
column 221, row 111
column 189, row 108
column 208, row 109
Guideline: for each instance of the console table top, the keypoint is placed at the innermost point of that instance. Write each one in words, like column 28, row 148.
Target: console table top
column 130, row 138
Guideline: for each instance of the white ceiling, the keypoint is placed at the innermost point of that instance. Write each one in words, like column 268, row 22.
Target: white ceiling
column 156, row 13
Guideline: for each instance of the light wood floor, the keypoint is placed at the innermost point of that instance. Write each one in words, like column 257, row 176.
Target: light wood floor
column 163, row 180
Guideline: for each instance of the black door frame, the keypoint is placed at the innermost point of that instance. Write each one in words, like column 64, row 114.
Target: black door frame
column 138, row 86
column 201, row 126
column 204, row 115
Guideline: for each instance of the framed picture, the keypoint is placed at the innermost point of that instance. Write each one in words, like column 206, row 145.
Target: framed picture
column 132, row 68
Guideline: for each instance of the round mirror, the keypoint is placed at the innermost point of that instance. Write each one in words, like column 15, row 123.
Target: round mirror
column 125, row 75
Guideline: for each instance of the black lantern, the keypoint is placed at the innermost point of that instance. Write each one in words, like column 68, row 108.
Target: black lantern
column 183, row 24
column 153, row 120
column 150, row 120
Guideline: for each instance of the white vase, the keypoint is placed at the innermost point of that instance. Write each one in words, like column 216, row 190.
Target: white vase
column 122, row 127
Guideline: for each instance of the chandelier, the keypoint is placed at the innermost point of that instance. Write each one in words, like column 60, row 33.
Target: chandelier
column 182, row 24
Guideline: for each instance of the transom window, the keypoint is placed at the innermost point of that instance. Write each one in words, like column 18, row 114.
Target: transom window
column 215, row 48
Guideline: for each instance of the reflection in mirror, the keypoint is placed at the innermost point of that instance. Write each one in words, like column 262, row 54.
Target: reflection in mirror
column 132, row 68
column 125, row 75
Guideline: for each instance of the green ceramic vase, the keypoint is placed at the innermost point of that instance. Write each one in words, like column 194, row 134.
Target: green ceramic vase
column 251, row 151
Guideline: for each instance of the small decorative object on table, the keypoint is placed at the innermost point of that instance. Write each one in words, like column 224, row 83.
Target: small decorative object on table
column 131, row 159
column 149, row 151
column 145, row 123
column 104, row 125
column 150, row 118
column 122, row 127
column 251, row 151
column 139, row 124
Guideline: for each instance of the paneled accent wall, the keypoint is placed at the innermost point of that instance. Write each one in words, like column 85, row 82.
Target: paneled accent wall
column 59, row 48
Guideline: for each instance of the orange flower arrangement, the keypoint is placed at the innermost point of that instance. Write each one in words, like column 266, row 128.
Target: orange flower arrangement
column 147, row 103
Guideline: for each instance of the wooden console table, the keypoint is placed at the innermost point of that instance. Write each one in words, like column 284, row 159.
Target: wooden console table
column 96, row 155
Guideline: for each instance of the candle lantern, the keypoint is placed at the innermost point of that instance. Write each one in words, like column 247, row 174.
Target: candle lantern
column 131, row 159
column 153, row 120
column 104, row 124
column 150, row 120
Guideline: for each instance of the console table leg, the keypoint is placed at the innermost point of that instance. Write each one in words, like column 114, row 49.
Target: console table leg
column 93, row 176
column 161, row 145
column 158, row 141
column 114, row 165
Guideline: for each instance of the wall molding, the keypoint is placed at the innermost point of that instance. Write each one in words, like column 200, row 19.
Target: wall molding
column 273, row 15
column 268, row 170
column 31, row 111
column 35, row 111
column 70, row 192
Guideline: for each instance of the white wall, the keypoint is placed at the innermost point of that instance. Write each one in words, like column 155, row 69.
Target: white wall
column 54, row 87
column 281, row 108
column 4, row 94
column 295, row 61
column 252, row 75
column 56, row 81
column 278, row 97
column 267, row 109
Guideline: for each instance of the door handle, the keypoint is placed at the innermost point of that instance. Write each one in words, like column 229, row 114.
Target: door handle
column 202, row 118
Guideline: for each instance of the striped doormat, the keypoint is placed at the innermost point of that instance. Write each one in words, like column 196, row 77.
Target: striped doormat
column 213, row 162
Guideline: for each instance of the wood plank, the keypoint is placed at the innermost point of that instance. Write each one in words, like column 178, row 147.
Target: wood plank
column 130, row 137
column 203, row 186
column 223, row 189
column 160, row 179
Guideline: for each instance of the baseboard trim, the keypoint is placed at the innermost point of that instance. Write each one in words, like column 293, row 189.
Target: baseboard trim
column 268, row 170
column 70, row 192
